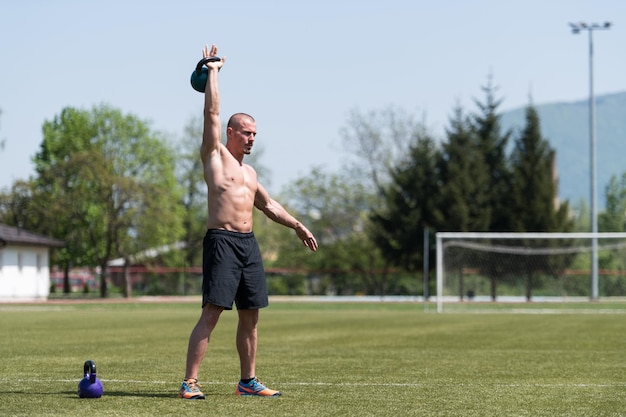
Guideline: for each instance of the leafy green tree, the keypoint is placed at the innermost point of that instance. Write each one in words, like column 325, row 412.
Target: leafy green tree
column 376, row 142
column 377, row 145
column 581, row 213
column 335, row 206
column 26, row 207
column 108, row 186
column 613, row 219
column 189, row 172
column 15, row 207
column 18, row 209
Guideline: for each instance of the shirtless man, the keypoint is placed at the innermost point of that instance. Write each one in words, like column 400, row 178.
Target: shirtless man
column 232, row 265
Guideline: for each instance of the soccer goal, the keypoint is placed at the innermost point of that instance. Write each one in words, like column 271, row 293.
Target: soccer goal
column 524, row 267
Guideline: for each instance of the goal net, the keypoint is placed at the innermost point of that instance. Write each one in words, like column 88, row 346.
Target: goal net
column 524, row 267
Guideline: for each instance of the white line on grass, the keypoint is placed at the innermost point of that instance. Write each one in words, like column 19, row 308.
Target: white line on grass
column 333, row 384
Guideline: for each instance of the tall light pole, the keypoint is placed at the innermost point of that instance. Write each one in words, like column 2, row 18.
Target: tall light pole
column 576, row 28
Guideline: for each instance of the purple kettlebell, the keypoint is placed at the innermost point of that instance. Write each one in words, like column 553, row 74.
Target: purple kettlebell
column 90, row 386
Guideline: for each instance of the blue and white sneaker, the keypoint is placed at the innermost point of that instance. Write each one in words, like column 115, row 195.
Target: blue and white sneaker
column 255, row 387
column 190, row 390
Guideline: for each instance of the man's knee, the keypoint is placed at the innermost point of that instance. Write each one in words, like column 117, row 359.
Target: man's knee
column 248, row 318
column 210, row 314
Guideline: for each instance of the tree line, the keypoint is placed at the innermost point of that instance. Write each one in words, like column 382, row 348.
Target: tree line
column 111, row 187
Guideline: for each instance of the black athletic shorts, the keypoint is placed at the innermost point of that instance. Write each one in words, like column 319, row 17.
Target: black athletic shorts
column 232, row 270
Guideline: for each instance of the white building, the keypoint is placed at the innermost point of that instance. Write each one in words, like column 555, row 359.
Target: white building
column 24, row 264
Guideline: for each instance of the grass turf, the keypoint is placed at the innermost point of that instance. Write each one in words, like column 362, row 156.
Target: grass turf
column 329, row 359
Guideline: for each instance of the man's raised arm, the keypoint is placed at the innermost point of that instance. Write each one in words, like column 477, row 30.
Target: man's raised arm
column 212, row 123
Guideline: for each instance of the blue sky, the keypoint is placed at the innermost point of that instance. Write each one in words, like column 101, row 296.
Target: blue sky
column 299, row 67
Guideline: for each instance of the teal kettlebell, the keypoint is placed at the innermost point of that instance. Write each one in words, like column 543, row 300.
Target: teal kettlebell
column 201, row 73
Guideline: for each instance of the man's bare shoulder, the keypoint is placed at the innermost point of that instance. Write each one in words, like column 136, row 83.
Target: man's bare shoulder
column 248, row 167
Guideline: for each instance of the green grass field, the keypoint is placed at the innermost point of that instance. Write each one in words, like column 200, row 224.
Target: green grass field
column 329, row 359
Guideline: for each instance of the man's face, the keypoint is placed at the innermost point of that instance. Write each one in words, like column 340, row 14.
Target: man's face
column 243, row 135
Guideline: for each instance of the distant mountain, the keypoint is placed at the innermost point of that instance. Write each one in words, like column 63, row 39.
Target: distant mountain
column 566, row 127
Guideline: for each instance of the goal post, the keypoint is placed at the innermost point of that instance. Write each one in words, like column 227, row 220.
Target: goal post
column 533, row 266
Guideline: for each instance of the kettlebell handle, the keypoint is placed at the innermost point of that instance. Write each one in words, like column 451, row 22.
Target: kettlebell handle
column 90, row 370
column 199, row 76
column 204, row 61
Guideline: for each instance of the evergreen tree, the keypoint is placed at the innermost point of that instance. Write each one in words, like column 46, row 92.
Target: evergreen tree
column 411, row 200
column 534, row 197
column 463, row 180
column 492, row 144
column 534, row 203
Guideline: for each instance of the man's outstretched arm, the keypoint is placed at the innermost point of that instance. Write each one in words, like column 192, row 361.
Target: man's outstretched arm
column 276, row 212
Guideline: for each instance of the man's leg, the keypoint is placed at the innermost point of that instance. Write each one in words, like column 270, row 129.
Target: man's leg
column 246, row 346
column 247, row 341
column 199, row 338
